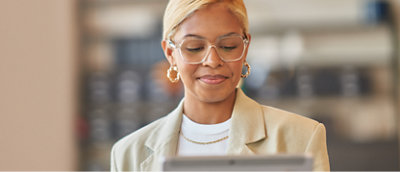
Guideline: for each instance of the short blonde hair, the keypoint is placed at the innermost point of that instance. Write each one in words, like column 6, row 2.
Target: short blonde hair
column 178, row 10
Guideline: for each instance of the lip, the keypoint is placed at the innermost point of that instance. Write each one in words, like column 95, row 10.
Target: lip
column 213, row 79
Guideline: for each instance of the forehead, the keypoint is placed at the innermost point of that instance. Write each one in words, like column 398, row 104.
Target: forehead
column 210, row 22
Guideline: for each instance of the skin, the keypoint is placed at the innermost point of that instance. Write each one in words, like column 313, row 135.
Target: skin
column 209, row 86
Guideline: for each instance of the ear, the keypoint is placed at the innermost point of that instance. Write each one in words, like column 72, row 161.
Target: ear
column 248, row 45
column 248, row 37
column 168, row 52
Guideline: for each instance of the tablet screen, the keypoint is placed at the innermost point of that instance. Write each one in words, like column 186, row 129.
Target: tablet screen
column 239, row 163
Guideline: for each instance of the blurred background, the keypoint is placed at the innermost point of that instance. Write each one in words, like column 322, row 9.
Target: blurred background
column 77, row 75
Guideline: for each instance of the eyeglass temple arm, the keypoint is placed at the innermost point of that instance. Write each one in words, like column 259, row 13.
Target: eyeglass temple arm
column 171, row 43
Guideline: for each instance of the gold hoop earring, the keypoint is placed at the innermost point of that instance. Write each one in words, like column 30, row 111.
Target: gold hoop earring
column 247, row 71
column 173, row 74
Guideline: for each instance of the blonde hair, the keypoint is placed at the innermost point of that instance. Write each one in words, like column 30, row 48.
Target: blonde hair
column 178, row 10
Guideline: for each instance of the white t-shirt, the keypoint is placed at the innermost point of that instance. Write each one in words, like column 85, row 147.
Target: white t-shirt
column 203, row 133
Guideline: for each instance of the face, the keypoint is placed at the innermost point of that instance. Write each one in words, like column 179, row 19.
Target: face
column 213, row 80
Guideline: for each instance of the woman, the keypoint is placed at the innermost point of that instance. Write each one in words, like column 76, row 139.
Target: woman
column 206, row 43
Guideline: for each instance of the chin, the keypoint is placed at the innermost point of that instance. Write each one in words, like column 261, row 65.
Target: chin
column 215, row 96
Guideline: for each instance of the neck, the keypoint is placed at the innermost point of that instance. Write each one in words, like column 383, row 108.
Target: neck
column 209, row 112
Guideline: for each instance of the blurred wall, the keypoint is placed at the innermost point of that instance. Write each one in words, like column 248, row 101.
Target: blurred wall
column 37, row 85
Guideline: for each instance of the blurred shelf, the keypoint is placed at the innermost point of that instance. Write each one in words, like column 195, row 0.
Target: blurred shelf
column 274, row 15
column 370, row 46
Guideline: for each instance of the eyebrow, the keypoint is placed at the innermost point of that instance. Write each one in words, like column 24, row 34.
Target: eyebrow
column 201, row 37
column 194, row 35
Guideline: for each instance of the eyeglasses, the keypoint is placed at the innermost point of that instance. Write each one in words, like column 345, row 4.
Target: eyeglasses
column 194, row 49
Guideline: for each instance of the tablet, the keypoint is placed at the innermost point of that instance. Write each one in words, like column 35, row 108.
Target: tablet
column 281, row 162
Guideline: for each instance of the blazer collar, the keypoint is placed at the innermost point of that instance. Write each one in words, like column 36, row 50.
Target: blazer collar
column 247, row 125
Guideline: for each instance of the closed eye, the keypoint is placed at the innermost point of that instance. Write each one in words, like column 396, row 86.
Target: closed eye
column 194, row 50
column 228, row 48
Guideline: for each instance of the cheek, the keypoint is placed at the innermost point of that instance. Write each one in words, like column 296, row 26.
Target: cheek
column 237, row 69
column 186, row 71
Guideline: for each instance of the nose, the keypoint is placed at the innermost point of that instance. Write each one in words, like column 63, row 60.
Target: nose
column 213, row 60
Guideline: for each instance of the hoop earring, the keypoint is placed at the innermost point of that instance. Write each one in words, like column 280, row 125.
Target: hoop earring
column 247, row 71
column 173, row 74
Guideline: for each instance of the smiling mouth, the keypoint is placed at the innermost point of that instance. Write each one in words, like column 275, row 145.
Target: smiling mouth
column 213, row 79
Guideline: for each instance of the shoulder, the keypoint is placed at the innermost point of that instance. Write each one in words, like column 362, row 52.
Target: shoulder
column 281, row 117
column 294, row 133
column 297, row 131
column 275, row 120
column 130, row 151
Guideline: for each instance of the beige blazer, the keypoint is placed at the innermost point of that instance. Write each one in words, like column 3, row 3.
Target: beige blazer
column 256, row 129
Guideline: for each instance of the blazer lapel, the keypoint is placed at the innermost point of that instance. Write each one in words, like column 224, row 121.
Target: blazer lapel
column 248, row 125
column 163, row 142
